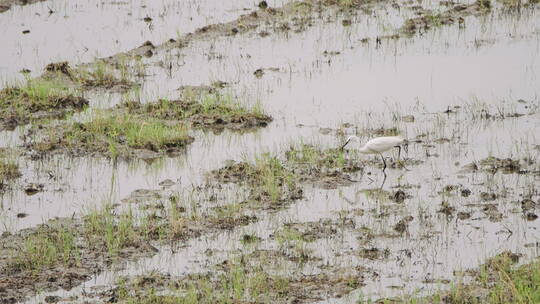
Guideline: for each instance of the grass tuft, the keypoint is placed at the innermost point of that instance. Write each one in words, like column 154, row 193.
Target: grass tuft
column 116, row 134
column 48, row 246
column 38, row 95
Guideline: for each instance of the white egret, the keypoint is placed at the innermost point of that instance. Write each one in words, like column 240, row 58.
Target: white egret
column 379, row 145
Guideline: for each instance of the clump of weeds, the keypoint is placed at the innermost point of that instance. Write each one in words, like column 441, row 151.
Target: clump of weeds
column 237, row 283
column 47, row 246
column 497, row 281
column 107, row 233
column 115, row 135
column 8, row 170
column 325, row 168
column 269, row 181
column 102, row 75
column 210, row 110
column 37, row 99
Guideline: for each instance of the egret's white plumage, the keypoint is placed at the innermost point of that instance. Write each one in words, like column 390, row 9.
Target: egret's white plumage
column 379, row 145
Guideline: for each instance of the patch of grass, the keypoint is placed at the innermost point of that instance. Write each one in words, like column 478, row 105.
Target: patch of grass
column 343, row 3
column 48, row 246
column 496, row 282
column 105, row 230
column 116, row 134
column 485, row 4
column 288, row 234
column 38, row 95
column 234, row 285
column 269, row 181
column 209, row 110
column 101, row 75
column 313, row 156
column 273, row 179
column 8, row 170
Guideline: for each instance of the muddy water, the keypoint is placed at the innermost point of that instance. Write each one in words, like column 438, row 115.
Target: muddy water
column 308, row 90
column 72, row 32
column 445, row 67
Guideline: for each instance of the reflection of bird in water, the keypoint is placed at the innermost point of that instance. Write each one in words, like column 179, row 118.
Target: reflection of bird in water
column 379, row 145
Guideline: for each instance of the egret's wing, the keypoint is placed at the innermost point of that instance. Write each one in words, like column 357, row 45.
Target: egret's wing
column 381, row 144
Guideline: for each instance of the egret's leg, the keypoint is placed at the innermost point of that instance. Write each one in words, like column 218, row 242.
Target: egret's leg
column 384, row 162
column 383, row 181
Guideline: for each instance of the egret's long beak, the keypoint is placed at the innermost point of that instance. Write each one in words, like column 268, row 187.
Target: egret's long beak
column 343, row 147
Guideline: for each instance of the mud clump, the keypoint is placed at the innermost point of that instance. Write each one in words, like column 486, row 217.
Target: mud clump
column 462, row 215
column 493, row 165
column 506, row 165
column 33, row 188
column 374, row 253
column 528, row 205
column 452, row 15
column 493, row 213
column 312, row 231
column 234, row 173
column 487, row 197
column 403, row 224
column 400, row 196
column 446, row 209
column 61, row 67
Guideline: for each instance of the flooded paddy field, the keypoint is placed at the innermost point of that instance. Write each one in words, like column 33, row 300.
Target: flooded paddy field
column 187, row 152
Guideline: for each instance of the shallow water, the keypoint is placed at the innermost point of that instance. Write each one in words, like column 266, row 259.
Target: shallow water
column 492, row 60
column 72, row 34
